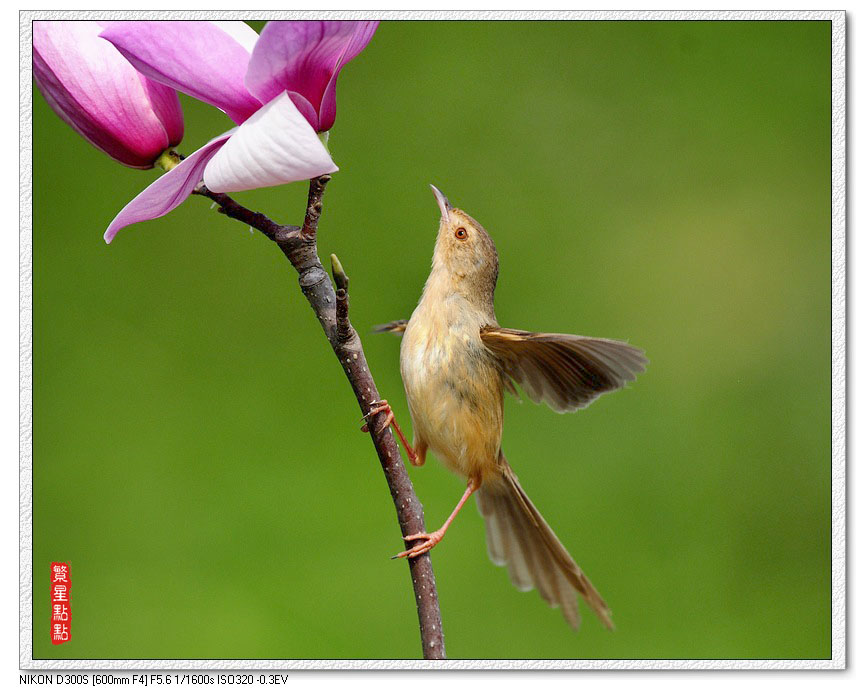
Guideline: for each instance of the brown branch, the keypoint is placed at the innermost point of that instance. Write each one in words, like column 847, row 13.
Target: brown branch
column 331, row 307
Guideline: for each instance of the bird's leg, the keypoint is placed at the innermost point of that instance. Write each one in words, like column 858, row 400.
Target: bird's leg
column 390, row 420
column 430, row 540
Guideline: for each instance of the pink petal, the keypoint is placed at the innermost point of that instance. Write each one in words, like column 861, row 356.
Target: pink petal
column 100, row 95
column 201, row 59
column 166, row 107
column 169, row 191
column 305, row 57
column 275, row 146
column 241, row 32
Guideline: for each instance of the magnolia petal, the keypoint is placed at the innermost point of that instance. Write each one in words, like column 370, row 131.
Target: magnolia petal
column 95, row 90
column 275, row 146
column 305, row 57
column 166, row 107
column 169, row 191
column 360, row 38
column 201, row 59
column 241, row 32
column 305, row 107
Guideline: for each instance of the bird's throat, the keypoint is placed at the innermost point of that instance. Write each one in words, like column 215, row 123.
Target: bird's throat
column 451, row 290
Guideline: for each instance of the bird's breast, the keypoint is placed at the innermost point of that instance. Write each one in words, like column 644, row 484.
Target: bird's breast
column 453, row 388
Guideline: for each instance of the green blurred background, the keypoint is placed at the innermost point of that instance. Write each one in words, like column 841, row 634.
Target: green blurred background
column 197, row 453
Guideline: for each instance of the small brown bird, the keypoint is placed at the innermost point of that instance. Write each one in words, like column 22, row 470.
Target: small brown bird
column 456, row 362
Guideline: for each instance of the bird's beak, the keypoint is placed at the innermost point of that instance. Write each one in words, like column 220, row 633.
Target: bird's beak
column 444, row 204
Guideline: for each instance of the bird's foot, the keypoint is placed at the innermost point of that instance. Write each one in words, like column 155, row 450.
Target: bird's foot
column 433, row 538
column 390, row 420
column 380, row 406
column 429, row 540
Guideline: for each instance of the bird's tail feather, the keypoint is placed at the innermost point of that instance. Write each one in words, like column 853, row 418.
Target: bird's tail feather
column 520, row 538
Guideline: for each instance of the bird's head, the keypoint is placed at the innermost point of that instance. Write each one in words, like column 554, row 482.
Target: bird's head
column 465, row 251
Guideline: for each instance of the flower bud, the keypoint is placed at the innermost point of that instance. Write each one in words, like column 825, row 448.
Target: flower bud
column 96, row 91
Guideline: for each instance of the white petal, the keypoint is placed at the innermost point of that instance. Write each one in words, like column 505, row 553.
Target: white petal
column 275, row 146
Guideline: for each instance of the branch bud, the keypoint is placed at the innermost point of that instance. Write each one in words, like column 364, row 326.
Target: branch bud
column 339, row 276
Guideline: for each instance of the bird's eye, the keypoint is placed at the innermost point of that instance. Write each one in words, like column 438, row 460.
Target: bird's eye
column 461, row 234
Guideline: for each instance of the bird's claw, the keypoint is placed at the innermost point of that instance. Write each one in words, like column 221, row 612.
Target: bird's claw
column 389, row 419
column 380, row 406
column 429, row 541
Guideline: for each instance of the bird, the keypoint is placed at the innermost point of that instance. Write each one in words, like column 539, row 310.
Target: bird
column 456, row 363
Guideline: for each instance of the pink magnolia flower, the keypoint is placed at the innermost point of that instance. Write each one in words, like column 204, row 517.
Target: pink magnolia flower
column 95, row 90
column 280, row 88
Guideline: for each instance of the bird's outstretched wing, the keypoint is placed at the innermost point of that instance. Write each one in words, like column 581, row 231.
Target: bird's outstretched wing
column 397, row 327
column 565, row 371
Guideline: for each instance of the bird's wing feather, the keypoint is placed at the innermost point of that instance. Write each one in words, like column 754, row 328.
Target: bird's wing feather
column 397, row 327
column 565, row 371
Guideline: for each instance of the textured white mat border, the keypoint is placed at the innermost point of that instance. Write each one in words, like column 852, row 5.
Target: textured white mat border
column 839, row 266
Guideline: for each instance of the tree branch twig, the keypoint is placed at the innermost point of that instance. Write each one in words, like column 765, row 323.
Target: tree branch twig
column 331, row 307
